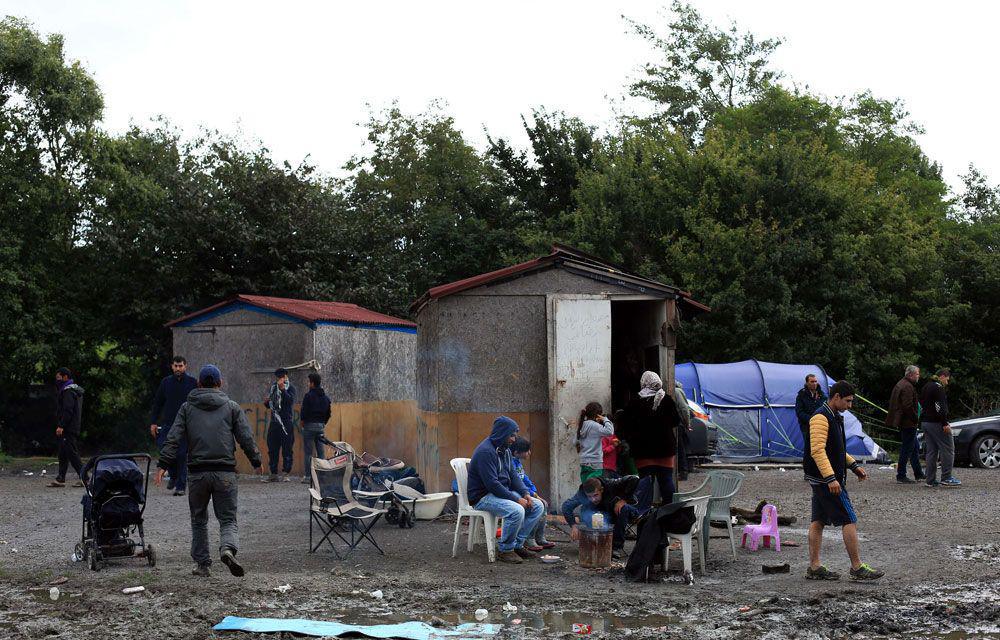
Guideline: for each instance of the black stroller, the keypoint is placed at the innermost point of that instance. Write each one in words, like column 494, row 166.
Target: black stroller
column 113, row 504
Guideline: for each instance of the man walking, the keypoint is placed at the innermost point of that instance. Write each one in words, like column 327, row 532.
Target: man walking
column 210, row 424
column 903, row 415
column 69, row 411
column 281, row 432
column 494, row 486
column 937, row 431
column 826, row 463
column 170, row 395
column 809, row 399
column 315, row 413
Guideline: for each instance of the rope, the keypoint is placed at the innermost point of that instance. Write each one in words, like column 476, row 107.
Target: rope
column 861, row 397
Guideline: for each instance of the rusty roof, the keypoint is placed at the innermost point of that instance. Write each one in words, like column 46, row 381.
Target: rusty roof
column 574, row 260
column 308, row 311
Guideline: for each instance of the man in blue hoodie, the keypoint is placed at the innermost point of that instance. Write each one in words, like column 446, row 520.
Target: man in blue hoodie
column 495, row 487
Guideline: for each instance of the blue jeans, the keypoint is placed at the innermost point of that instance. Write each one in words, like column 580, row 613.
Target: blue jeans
column 518, row 522
column 179, row 472
column 908, row 452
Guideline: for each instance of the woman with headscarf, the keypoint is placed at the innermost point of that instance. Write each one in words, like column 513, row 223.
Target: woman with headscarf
column 652, row 420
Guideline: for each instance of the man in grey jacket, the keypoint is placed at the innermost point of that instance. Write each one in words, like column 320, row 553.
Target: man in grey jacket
column 211, row 424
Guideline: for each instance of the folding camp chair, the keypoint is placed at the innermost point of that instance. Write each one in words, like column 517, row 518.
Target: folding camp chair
column 334, row 509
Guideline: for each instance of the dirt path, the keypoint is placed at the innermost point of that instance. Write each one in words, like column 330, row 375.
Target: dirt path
column 938, row 546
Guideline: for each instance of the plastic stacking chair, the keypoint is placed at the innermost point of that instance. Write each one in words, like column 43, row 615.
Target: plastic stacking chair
column 767, row 529
column 688, row 539
column 721, row 487
column 335, row 510
column 487, row 520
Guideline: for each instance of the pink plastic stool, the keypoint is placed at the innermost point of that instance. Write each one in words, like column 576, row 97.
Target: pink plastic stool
column 767, row 529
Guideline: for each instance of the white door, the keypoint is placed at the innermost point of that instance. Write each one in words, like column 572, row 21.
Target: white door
column 579, row 373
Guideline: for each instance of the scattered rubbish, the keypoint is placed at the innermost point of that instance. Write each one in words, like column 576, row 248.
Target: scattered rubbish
column 283, row 588
column 131, row 590
column 550, row 559
column 597, row 521
column 791, row 543
column 775, row 568
column 482, row 614
column 756, row 468
column 885, row 468
column 437, row 622
column 406, row 630
column 28, row 473
column 60, row 580
column 377, row 594
column 516, row 621
column 54, row 593
column 744, row 609
column 509, row 608
column 43, row 472
column 782, row 469
column 581, row 629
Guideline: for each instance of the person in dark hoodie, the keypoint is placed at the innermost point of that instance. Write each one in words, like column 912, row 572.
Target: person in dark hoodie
column 170, row 395
column 211, row 424
column 315, row 413
column 937, row 431
column 69, row 410
column 809, row 399
column 494, row 486
column 281, row 432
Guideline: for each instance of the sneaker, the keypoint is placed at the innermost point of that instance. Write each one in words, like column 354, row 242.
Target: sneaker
column 821, row 573
column 56, row 484
column 905, row 480
column 229, row 559
column 865, row 572
column 932, row 483
column 306, row 480
column 286, row 478
column 273, row 478
column 179, row 492
column 509, row 556
column 201, row 571
column 527, row 554
column 951, row 482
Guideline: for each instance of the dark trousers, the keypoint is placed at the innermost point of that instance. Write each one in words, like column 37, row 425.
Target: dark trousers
column 630, row 513
column 219, row 487
column 277, row 440
column 664, row 479
column 683, row 467
column 908, row 452
column 178, row 472
column 311, row 434
column 69, row 454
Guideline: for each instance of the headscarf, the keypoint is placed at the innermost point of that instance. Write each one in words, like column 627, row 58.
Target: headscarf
column 652, row 387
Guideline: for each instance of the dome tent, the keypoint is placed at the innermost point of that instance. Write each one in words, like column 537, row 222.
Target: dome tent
column 753, row 403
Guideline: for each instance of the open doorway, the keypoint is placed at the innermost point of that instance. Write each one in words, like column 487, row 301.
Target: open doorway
column 636, row 346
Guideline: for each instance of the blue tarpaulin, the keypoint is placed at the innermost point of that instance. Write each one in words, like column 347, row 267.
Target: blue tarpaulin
column 753, row 403
column 409, row 630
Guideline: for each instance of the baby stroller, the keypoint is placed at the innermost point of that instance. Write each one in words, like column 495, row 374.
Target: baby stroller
column 113, row 503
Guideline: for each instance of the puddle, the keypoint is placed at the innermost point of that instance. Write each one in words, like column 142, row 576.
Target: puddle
column 989, row 553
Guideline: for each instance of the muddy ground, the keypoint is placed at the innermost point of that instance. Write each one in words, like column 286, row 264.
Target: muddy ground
column 939, row 548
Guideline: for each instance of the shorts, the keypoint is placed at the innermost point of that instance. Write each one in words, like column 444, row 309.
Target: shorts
column 834, row 510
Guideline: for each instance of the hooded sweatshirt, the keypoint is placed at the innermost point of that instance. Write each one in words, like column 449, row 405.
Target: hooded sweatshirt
column 315, row 407
column 211, row 424
column 70, row 408
column 492, row 468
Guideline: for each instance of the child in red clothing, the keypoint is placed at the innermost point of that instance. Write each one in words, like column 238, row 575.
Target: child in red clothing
column 609, row 446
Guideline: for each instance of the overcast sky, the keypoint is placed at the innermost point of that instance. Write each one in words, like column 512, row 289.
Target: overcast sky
column 300, row 76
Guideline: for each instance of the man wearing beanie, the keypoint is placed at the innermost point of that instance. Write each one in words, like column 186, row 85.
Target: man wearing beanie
column 494, row 486
column 210, row 424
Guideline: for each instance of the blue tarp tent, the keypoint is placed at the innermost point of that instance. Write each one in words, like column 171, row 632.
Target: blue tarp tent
column 753, row 403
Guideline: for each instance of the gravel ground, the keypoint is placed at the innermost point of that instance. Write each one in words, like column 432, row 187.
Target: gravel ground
column 939, row 548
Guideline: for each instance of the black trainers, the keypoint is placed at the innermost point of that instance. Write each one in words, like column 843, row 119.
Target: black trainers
column 905, row 480
column 865, row 572
column 229, row 559
column 201, row 571
column 821, row 573
column 932, row 483
column 179, row 492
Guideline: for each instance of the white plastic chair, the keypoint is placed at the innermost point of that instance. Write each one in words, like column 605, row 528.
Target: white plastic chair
column 688, row 539
column 488, row 520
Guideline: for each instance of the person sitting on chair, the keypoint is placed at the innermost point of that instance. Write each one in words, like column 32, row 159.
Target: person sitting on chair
column 494, row 486
column 611, row 498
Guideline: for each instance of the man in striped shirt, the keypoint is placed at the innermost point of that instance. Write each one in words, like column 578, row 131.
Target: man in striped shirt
column 826, row 462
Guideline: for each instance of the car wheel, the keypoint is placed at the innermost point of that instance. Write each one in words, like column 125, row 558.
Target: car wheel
column 985, row 451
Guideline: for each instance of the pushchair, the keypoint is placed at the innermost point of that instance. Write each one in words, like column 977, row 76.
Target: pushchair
column 113, row 503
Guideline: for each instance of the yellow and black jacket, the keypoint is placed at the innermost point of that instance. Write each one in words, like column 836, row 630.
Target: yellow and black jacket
column 826, row 458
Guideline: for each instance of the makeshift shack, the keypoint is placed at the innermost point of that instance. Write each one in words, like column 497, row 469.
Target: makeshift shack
column 753, row 404
column 366, row 360
column 537, row 341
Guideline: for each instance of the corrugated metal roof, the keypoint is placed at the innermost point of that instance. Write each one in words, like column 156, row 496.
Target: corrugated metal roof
column 310, row 311
column 561, row 255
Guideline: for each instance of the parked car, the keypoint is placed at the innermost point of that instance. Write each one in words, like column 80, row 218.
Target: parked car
column 704, row 433
column 977, row 441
